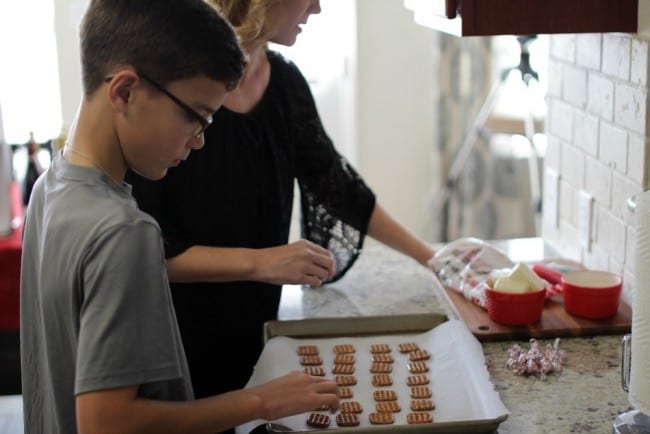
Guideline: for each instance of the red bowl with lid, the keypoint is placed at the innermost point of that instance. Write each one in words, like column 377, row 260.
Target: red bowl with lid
column 515, row 309
column 591, row 294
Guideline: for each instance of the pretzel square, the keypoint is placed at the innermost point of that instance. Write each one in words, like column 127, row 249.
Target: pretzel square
column 422, row 405
column 344, row 349
column 344, row 359
column 384, row 395
column 380, row 348
column 417, row 380
column 380, row 380
column 418, row 367
column 420, row 392
column 418, row 355
column 316, row 371
column 413, row 418
column 318, row 420
column 388, row 407
column 345, row 380
column 350, row 407
column 347, row 419
column 311, row 360
column 344, row 392
column 381, row 418
column 343, row 369
column 381, row 368
column 307, row 350
column 407, row 347
column 382, row 358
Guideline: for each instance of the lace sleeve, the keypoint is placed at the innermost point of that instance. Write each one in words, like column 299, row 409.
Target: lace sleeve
column 335, row 213
column 336, row 203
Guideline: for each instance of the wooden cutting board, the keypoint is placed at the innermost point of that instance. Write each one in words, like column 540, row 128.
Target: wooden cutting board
column 555, row 322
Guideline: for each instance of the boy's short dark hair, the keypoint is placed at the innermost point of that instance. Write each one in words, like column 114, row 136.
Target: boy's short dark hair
column 167, row 39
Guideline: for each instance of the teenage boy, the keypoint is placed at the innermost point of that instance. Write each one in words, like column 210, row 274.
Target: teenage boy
column 100, row 345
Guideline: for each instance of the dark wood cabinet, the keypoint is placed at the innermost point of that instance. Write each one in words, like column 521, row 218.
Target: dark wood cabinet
column 522, row 17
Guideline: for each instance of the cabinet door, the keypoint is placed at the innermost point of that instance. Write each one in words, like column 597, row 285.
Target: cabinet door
column 451, row 8
column 521, row 17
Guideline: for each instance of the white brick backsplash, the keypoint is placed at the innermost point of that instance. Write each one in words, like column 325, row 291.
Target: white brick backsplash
column 600, row 96
column 585, row 132
column 628, row 287
column 563, row 47
column 622, row 189
column 639, row 62
column 619, row 268
column 555, row 68
column 569, row 243
column 612, row 234
column 616, row 55
column 598, row 142
column 597, row 259
column 615, row 266
column 550, row 232
column 552, row 157
column 568, row 203
column 598, row 181
column 573, row 166
column 637, row 155
column 574, row 86
column 612, row 149
column 630, row 248
column 630, row 107
column 561, row 119
column 588, row 49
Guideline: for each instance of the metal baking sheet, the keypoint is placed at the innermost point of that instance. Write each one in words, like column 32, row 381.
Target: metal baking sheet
column 353, row 326
column 373, row 326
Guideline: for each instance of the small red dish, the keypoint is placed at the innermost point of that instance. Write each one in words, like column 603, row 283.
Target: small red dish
column 515, row 309
column 591, row 294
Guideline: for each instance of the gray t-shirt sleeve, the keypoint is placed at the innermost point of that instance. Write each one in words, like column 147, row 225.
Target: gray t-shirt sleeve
column 127, row 333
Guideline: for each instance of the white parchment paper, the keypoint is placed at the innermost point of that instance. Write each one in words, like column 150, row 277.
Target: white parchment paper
column 460, row 382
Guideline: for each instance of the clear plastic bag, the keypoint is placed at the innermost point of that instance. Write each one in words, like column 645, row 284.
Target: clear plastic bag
column 467, row 264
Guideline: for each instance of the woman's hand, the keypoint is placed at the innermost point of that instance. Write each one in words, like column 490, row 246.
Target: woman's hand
column 301, row 262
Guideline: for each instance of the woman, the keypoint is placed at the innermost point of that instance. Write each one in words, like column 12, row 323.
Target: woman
column 229, row 262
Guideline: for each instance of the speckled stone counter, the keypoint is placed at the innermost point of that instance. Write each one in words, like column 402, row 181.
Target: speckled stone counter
column 584, row 398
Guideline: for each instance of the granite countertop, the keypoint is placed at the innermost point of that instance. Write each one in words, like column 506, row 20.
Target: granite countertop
column 584, row 398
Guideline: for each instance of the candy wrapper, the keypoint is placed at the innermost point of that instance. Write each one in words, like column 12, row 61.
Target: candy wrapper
column 535, row 361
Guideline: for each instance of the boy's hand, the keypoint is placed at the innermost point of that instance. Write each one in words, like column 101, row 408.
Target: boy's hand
column 294, row 393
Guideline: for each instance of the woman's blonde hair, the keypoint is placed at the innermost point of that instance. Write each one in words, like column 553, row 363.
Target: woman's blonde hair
column 249, row 17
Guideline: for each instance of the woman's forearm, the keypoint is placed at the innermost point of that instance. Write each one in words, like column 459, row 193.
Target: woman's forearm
column 301, row 262
column 211, row 264
column 385, row 229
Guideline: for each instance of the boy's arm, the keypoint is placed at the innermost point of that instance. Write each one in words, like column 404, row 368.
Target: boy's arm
column 120, row 410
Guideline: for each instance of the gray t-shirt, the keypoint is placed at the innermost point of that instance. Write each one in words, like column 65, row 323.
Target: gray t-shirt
column 96, row 311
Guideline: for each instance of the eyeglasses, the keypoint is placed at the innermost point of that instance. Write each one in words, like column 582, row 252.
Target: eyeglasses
column 204, row 123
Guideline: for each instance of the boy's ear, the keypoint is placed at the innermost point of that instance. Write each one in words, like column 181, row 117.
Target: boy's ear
column 120, row 88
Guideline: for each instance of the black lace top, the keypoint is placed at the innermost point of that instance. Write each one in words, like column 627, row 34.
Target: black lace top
column 238, row 191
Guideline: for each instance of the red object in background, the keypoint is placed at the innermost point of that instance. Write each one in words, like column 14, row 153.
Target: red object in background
column 547, row 273
column 592, row 294
column 10, row 252
column 515, row 309
column 551, row 276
